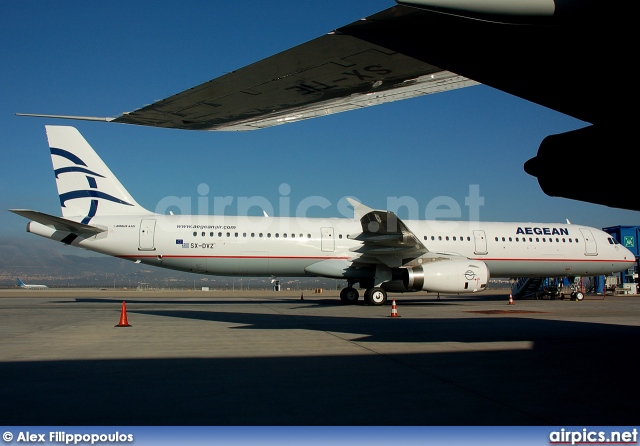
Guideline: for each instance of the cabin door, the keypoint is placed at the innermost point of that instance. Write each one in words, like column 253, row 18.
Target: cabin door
column 480, row 240
column 590, row 247
column 328, row 243
column 147, row 231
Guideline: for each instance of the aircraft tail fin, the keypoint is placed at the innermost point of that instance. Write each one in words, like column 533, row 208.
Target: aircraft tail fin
column 20, row 283
column 86, row 186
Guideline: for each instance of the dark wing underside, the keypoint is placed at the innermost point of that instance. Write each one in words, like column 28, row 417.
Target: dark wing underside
column 404, row 52
column 336, row 72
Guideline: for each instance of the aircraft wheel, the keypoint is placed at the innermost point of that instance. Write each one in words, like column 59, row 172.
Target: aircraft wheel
column 561, row 296
column 349, row 295
column 377, row 296
column 579, row 296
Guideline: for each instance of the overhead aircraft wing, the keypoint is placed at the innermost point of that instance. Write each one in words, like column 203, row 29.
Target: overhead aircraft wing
column 332, row 73
column 570, row 56
column 533, row 49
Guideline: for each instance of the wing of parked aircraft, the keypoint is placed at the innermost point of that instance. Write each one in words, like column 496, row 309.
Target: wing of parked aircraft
column 568, row 56
column 385, row 238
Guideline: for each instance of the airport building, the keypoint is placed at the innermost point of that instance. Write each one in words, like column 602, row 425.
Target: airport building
column 627, row 236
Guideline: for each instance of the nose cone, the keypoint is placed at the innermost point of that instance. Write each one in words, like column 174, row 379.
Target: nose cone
column 627, row 253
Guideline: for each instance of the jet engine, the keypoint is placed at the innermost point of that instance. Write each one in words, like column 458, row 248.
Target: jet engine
column 581, row 153
column 444, row 276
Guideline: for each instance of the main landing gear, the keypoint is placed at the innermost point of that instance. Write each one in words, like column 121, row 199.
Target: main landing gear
column 349, row 295
column 577, row 295
column 372, row 296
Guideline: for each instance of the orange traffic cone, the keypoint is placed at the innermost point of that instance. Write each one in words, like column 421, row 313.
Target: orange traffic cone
column 510, row 299
column 123, row 316
column 394, row 311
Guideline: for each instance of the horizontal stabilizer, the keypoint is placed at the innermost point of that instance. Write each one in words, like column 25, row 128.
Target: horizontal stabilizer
column 60, row 224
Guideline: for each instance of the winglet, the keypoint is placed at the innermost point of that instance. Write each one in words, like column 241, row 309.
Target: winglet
column 359, row 209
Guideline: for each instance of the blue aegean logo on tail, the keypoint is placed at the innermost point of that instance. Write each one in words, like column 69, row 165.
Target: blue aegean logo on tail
column 80, row 166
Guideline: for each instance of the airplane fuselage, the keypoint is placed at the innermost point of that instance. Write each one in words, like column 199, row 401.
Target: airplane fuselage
column 290, row 247
column 375, row 248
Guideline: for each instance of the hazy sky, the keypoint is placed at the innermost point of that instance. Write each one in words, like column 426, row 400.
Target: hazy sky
column 105, row 58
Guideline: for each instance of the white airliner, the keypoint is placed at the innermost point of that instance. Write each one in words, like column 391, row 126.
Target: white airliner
column 375, row 249
column 27, row 286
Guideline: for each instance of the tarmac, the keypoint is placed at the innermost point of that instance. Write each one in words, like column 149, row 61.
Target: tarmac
column 235, row 358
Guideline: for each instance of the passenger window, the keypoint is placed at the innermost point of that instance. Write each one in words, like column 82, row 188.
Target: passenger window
column 228, row 234
column 195, row 234
column 268, row 235
column 277, row 235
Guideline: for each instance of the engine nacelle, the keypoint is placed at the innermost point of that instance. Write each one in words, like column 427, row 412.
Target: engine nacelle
column 585, row 180
column 445, row 276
